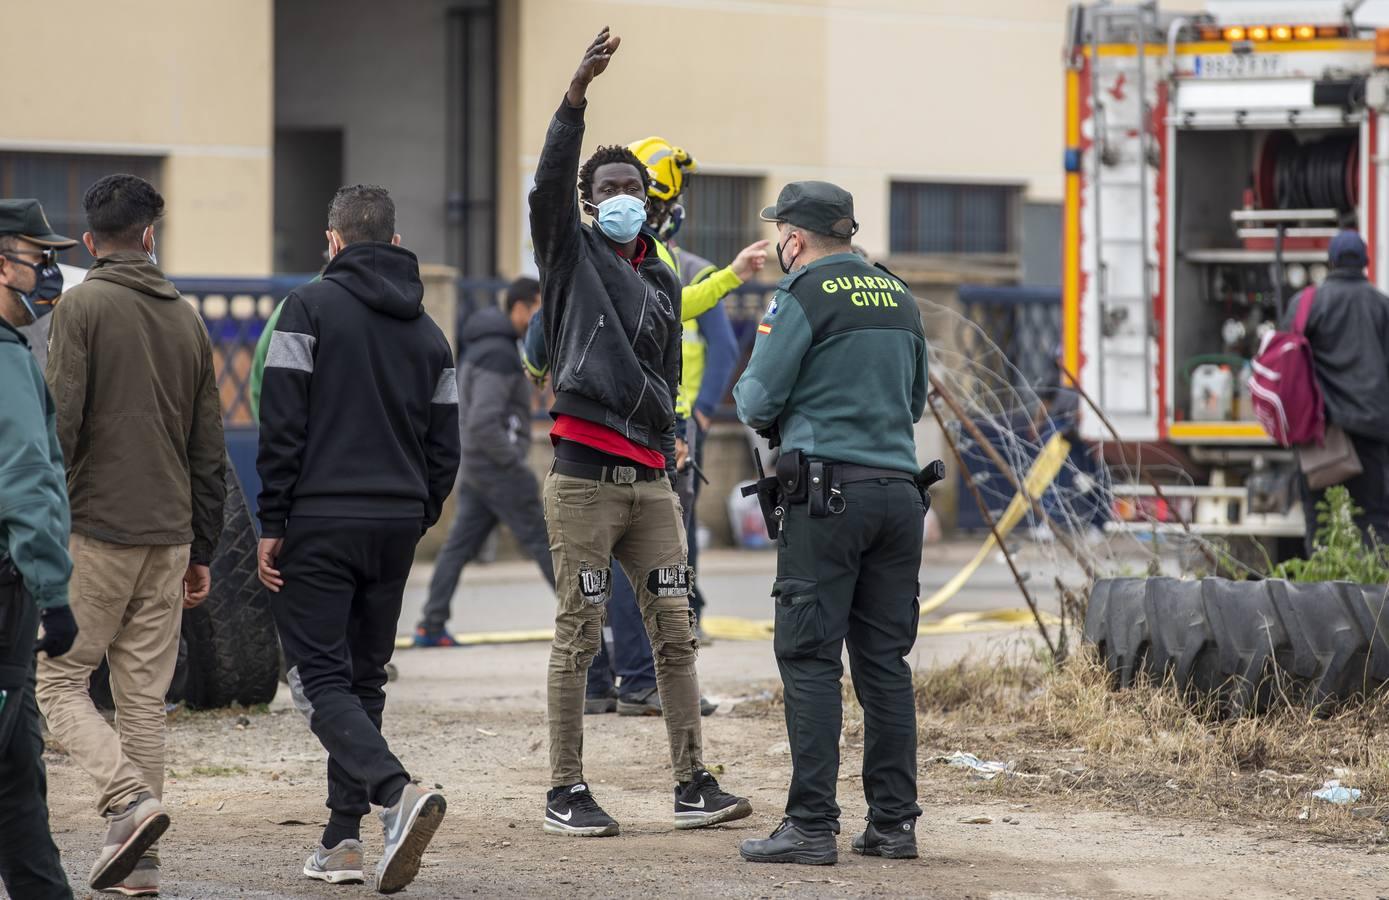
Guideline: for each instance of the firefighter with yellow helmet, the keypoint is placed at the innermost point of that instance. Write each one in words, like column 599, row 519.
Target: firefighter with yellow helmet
column 709, row 347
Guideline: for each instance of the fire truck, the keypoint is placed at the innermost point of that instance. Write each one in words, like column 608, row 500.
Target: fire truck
column 1208, row 164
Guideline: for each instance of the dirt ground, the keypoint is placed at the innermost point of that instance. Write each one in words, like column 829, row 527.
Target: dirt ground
column 246, row 792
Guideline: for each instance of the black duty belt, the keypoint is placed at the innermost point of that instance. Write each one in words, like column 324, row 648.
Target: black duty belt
column 612, row 474
column 848, row 474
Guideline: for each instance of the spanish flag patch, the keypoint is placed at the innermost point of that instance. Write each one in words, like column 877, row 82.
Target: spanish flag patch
column 764, row 328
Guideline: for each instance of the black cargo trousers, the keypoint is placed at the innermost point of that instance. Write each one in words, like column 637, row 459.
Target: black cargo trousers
column 850, row 577
column 29, row 863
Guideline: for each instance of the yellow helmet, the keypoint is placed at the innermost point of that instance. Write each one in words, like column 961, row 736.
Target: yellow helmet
column 666, row 164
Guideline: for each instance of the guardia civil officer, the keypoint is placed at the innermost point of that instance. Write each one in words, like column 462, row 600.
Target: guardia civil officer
column 839, row 373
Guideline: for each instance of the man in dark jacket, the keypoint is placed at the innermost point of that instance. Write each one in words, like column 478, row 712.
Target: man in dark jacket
column 612, row 325
column 34, row 561
column 495, row 482
column 1348, row 329
column 358, row 450
column 140, row 422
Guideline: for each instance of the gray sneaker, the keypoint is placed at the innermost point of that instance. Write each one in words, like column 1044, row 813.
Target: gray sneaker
column 409, row 826
column 341, row 865
column 131, row 832
column 143, row 881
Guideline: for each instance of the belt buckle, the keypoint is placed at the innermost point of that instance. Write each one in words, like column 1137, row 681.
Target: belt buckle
column 624, row 474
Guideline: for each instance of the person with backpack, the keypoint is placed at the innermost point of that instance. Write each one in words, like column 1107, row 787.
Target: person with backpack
column 1347, row 330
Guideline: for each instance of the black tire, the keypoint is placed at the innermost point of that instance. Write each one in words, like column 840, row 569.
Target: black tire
column 99, row 685
column 1243, row 642
column 233, row 650
column 228, row 648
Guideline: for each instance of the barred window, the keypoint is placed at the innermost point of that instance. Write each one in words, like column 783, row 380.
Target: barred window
column 721, row 215
column 932, row 217
column 59, row 181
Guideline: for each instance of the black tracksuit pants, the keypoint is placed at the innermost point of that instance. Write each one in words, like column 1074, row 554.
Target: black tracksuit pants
column 850, row 578
column 337, row 615
column 29, row 863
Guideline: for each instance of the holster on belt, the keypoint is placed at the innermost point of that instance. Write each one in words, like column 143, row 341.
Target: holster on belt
column 790, row 473
column 933, row 472
column 768, row 491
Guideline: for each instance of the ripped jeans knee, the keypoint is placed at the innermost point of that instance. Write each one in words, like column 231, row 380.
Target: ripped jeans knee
column 578, row 637
column 670, row 625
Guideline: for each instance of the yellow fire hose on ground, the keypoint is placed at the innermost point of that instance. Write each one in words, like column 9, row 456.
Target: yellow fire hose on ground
column 730, row 628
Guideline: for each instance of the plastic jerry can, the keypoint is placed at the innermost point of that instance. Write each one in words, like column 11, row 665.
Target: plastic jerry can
column 1212, row 393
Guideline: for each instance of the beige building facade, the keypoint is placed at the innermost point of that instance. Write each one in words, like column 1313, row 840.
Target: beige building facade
column 178, row 92
column 859, row 92
column 246, row 113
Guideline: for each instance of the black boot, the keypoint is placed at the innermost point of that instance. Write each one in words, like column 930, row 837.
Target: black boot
column 789, row 844
column 890, row 842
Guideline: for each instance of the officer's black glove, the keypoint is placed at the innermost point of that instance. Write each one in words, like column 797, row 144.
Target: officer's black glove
column 59, row 631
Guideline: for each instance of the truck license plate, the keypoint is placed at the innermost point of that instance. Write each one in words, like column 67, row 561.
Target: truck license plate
column 1244, row 65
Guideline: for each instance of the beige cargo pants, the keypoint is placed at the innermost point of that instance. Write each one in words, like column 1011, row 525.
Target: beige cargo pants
column 590, row 523
column 128, row 603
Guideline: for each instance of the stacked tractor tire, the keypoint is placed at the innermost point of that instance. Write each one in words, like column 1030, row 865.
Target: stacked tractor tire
column 1244, row 644
column 228, row 650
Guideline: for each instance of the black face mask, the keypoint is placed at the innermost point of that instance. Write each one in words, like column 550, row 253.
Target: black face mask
column 48, row 287
column 785, row 266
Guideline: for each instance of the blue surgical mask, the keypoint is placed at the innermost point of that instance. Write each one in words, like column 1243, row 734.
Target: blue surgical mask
column 621, row 217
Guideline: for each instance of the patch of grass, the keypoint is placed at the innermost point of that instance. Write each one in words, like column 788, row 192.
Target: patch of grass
column 1339, row 551
column 1151, row 750
column 227, row 712
column 217, row 771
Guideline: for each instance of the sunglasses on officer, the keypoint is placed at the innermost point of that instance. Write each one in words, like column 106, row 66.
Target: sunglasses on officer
column 47, row 257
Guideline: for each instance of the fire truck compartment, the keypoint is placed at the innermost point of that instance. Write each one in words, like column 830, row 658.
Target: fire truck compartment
column 1251, row 214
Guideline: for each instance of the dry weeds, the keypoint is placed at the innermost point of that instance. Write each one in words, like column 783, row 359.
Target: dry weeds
column 1149, row 750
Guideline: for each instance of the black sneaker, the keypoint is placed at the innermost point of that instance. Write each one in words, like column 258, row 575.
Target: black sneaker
column 648, row 703
column 573, row 811
column 890, row 841
column 598, row 704
column 639, row 703
column 700, row 802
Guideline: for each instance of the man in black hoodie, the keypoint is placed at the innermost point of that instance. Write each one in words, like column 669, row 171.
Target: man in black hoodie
column 494, row 428
column 612, row 327
column 358, row 450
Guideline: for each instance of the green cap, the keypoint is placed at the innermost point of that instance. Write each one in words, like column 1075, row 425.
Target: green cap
column 819, row 206
column 26, row 219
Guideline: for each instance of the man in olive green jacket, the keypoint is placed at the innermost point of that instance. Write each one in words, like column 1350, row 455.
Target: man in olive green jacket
column 139, row 419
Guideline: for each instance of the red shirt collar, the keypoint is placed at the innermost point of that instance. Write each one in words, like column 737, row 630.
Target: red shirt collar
column 641, row 251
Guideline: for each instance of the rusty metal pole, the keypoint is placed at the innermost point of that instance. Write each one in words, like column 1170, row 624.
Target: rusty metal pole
column 1152, row 482
column 1062, row 536
column 993, row 529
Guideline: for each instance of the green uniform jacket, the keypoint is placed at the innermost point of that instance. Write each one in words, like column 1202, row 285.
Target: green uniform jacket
column 34, row 517
column 839, row 365
column 258, row 361
column 262, row 350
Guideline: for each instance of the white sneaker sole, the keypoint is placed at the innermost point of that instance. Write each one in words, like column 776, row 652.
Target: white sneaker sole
column 554, row 827
column 337, row 876
column 400, row 864
column 687, row 819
